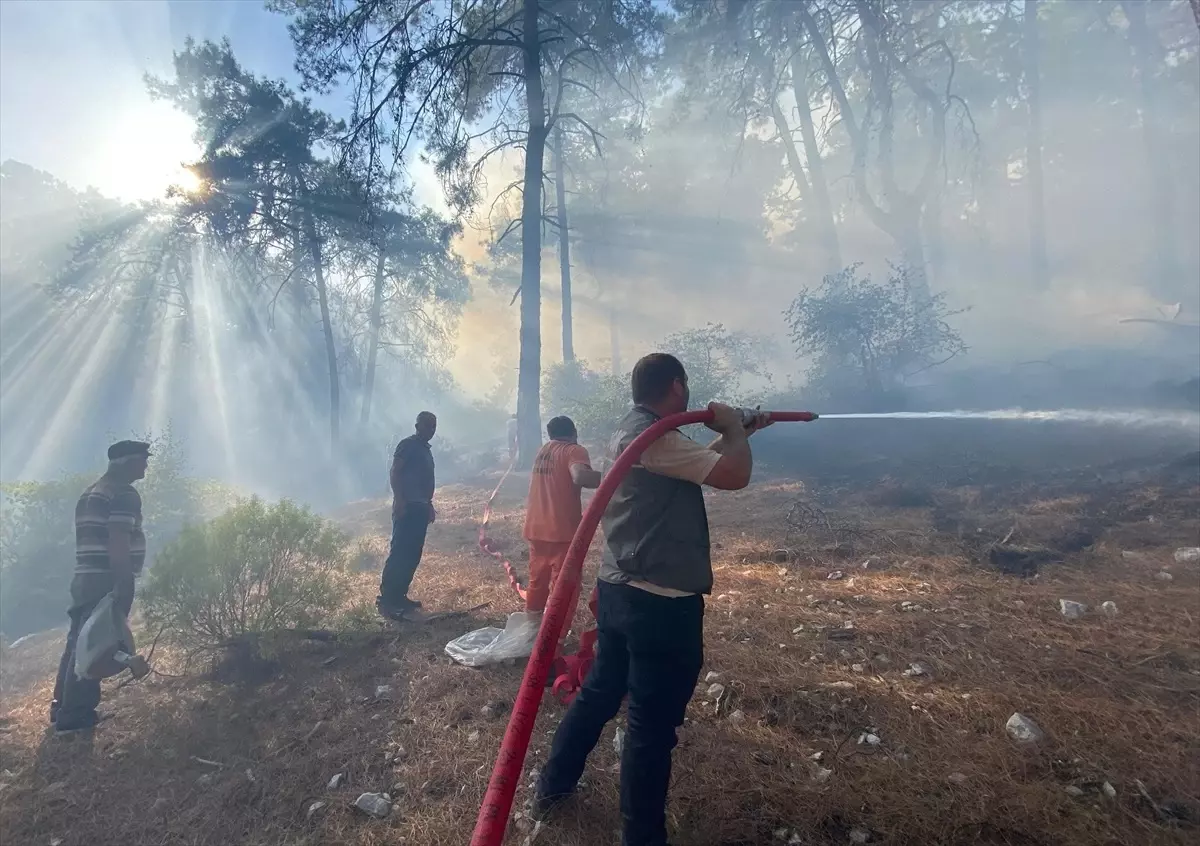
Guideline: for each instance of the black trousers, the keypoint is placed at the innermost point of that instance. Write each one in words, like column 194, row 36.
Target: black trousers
column 404, row 555
column 76, row 699
column 651, row 647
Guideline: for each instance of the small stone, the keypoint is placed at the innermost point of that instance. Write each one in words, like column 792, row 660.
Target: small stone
column 859, row 836
column 817, row 756
column 737, row 717
column 1071, row 609
column 869, row 739
column 957, row 778
column 1109, row 790
column 313, row 808
column 1024, row 730
column 917, row 669
column 383, row 691
column 1074, row 791
column 377, row 805
column 712, row 677
column 722, row 597
column 835, row 576
column 840, row 685
column 821, row 775
column 715, row 690
column 1164, row 576
column 205, row 779
column 1019, row 604
column 798, row 630
column 858, row 668
column 336, row 781
column 795, row 840
column 1109, row 608
column 1187, row 554
column 781, row 834
column 473, row 737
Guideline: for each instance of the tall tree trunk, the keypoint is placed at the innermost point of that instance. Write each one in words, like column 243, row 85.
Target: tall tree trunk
column 529, row 426
column 1165, row 274
column 816, row 166
column 373, row 340
column 318, row 268
column 564, row 246
column 1039, row 263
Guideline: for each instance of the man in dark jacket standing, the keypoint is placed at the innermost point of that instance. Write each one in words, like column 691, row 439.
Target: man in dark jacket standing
column 650, row 607
column 412, row 511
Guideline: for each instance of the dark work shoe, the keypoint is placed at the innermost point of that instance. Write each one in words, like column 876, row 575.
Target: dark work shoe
column 78, row 726
column 543, row 807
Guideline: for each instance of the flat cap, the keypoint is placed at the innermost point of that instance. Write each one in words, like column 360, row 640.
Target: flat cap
column 125, row 449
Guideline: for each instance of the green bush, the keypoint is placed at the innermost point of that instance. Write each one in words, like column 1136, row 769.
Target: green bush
column 595, row 401
column 37, row 553
column 255, row 569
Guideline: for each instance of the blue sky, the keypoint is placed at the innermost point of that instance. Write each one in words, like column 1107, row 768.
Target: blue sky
column 72, row 100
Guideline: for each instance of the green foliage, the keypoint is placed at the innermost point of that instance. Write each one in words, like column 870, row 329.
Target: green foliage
column 722, row 364
column 867, row 339
column 256, row 569
column 595, row 401
column 37, row 552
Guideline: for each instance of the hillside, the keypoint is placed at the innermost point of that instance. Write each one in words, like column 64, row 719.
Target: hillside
column 919, row 644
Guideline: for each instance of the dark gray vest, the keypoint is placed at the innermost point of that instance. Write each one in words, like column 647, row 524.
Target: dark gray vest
column 655, row 527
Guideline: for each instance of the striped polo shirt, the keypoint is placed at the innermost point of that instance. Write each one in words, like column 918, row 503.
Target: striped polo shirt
column 103, row 505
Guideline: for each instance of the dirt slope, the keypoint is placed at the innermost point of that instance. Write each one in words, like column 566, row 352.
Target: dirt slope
column 810, row 663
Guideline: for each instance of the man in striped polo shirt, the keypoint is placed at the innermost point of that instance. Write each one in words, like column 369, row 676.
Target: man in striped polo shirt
column 110, row 549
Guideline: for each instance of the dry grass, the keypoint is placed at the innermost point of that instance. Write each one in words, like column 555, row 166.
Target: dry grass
column 1118, row 698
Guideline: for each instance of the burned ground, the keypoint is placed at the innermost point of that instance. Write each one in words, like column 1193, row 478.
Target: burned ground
column 863, row 601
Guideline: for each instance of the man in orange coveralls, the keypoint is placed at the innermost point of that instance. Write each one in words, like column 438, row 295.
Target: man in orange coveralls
column 561, row 469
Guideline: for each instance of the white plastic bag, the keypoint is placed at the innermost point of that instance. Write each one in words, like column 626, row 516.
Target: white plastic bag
column 104, row 634
column 492, row 645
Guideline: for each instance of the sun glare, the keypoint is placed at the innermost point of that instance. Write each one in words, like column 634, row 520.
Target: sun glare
column 145, row 153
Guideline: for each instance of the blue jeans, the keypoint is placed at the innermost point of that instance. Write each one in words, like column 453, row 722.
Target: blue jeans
column 404, row 554
column 651, row 647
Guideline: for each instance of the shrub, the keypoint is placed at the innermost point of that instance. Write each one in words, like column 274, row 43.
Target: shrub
column 255, row 569
column 722, row 364
column 868, row 339
column 37, row 553
column 595, row 401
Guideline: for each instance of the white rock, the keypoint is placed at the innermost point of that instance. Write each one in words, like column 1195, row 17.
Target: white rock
column 795, row 840
column 1074, row 791
column 1019, row 604
column 1109, row 790
column 1109, row 608
column 722, row 597
column 715, row 690
column 619, row 741
column 313, row 808
column 917, row 669
column 840, row 685
column 798, row 630
column 821, row 775
column 383, row 691
column 336, row 781
column 781, row 834
column 1024, row 730
column 1187, row 554
column 870, row 739
column 859, row 836
column 737, row 717
column 1164, row 576
column 858, row 668
column 377, row 805
column 835, row 575
column 712, row 677
column 957, row 778
column 473, row 737
column 1071, row 609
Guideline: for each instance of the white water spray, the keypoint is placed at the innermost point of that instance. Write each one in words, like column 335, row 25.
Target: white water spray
column 1143, row 418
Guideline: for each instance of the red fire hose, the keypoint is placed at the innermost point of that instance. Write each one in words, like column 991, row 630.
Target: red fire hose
column 506, row 773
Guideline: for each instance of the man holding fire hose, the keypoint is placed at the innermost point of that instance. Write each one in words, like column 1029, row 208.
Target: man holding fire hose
column 650, row 606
